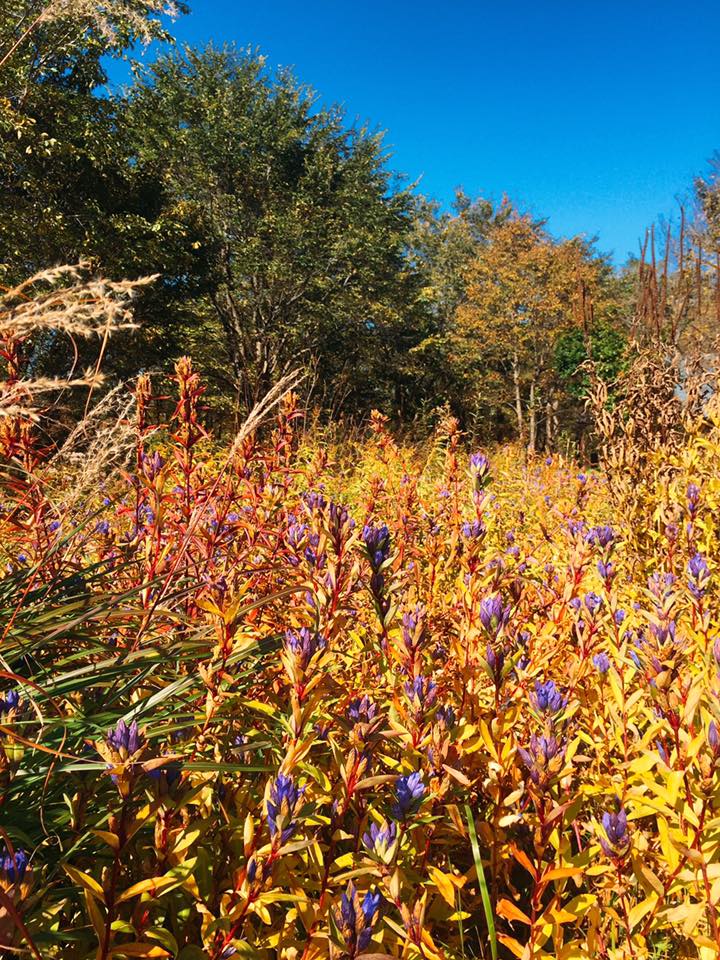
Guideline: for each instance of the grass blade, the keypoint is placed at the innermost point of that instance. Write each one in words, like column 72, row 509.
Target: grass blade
column 487, row 906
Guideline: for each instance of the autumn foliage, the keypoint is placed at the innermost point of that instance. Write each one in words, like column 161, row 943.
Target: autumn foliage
column 298, row 697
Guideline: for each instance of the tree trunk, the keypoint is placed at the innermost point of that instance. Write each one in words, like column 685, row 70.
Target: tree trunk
column 549, row 426
column 518, row 398
column 532, row 415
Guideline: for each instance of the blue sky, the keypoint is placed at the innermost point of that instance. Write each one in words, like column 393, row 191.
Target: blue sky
column 595, row 115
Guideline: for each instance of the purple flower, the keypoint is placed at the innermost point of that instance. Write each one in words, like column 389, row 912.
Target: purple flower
column 409, row 793
column 619, row 617
column 602, row 662
column 304, row 644
column 693, row 498
column 381, row 840
column 170, row 774
column 495, row 660
column 377, row 543
column 575, row 527
column 606, row 569
column 102, row 527
column 413, row 633
column 479, row 470
column 593, row 602
column 421, row 692
column 699, row 575
column 474, row 530
column 663, row 631
column 493, row 614
column 361, row 710
column 282, row 805
column 295, row 532
column 152, row 465
column 339, row 520
column 601, row 536
column 547, row 698
column 314, row 500
column 714, row 738
column 13, row 867
column 446, row 716
column 543, row 758
column 127, row 740
column 10, row 701
column 616, row 841
column 576, row 604
column 355, row 918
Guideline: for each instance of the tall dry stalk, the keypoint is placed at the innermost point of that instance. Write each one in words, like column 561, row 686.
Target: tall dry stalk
column 68, row 300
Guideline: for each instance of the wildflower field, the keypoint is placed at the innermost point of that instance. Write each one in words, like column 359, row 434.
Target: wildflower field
column 298, row 698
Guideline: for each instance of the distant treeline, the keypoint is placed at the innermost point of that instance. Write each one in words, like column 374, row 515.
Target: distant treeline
column 282, row 237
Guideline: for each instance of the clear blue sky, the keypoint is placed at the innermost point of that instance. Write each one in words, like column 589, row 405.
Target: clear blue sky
column 596, row 115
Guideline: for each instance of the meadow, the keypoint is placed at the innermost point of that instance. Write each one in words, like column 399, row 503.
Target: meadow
column 302, row 695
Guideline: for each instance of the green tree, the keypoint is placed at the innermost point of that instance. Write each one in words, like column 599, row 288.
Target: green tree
column 62, row 182
column 289, row 225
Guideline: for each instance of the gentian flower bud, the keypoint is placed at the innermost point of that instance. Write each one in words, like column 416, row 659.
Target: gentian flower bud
column 601, row 536
column 382, row 841
column 543, row 759
column 699, row 574
column 282, row 807
column 493, row 614
column 127, row 741
column 446, row 716
column 593, row 603
column 479, row 471
column 152, row 464
column 314, row 501
column 421, row 692
column 361, row 710
column 714, row 738
column 616, row 841
column 13, row 867
column 355, row 918
column 474, row 530
column 377, row 543
column 303, row 645
column 10, row 702
column 409, row 793
column 496, row 661
column 602, row 662
column 546, row 698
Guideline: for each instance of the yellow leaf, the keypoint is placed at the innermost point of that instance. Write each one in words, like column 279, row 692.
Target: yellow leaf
column 111, row 839
column 513, row 946
column 138, row 950
column 640, row 910
column 153, row 886
column 444, row 884
column 559, row 873
column 95, row 915
column 506, row 908
column 581, row 904
column 86, row 882
column 668, row 848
